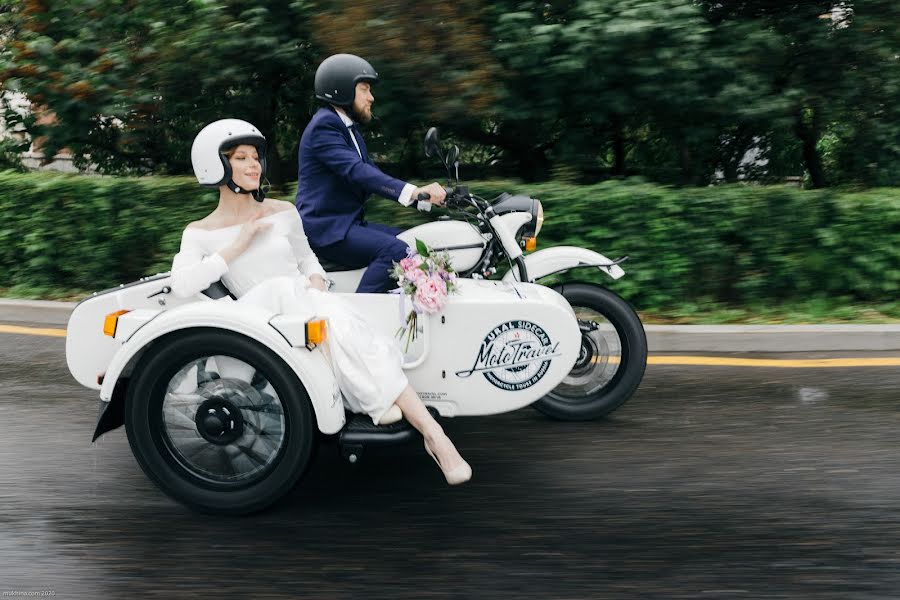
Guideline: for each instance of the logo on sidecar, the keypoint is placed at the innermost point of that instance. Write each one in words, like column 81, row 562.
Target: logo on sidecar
column 514, row 356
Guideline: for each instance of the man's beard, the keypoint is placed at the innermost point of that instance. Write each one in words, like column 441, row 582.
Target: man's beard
column 360, row 117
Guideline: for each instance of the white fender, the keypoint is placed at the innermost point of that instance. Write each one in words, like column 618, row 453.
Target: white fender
column 560, row 258
column 311, row 367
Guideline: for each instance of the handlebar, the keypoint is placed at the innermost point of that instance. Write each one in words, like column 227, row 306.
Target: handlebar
column 457, row 197
column 425, row 196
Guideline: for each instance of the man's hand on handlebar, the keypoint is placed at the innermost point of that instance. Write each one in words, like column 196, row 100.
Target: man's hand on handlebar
column 433, row 192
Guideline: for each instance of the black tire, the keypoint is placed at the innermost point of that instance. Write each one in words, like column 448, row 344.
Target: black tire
column 263, row 427
column 573, row 400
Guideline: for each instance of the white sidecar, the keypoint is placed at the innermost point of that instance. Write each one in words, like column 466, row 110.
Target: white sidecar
column 223, row 402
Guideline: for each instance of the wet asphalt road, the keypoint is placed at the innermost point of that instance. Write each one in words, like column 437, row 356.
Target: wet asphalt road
column 713, row 482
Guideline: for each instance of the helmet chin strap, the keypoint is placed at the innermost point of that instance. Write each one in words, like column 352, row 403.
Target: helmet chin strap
column 259, row 194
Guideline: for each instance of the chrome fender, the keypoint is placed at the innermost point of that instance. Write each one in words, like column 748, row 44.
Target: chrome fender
column 311, row 367
column 563, row 258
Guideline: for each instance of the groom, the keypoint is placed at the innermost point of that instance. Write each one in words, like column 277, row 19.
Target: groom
column 336, row 177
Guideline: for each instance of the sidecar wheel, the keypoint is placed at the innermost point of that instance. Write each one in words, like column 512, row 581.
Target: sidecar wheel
column 612, row 359
column 218, row 422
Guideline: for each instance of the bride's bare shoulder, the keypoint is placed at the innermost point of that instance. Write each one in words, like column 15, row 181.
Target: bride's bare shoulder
column 210, row 221
column 204, row 223
column 277, row 206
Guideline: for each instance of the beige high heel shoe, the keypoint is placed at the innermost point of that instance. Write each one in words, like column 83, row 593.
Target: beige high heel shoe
column 460, row 474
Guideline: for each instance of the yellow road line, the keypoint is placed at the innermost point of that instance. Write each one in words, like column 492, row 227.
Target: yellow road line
column 706, row 361
column 32, row 331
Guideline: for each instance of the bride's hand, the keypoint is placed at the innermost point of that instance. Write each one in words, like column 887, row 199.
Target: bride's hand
column 318, row 282
column 249, row 230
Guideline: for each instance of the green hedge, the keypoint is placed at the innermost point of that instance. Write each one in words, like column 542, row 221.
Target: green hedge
column 728, row 244
column 87, row 233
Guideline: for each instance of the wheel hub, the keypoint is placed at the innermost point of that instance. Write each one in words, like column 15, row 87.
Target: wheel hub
column 585, row 354
column 594, row 353
column 219, row 421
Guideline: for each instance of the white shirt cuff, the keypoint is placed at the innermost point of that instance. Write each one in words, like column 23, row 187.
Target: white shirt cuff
column 406, row 198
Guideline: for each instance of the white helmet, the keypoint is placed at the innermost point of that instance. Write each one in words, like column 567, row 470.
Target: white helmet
column 211, row 166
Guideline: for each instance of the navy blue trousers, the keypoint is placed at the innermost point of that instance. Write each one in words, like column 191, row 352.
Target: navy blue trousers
column 369, row 244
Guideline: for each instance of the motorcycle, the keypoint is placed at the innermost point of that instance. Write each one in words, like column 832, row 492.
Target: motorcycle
column 224, row 404
column 481, row 237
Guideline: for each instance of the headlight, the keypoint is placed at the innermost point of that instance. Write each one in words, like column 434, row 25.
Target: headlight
column 540, row 218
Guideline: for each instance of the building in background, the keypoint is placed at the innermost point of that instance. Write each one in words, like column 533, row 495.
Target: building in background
column 33, row 158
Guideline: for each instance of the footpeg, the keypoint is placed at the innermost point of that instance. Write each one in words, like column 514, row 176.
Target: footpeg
column 359, row 432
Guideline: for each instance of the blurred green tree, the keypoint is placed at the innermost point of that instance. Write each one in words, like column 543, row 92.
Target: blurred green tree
column 836, row 77
column 10, row 119
column 434, row 61
column 129, row 83
column 678, row 91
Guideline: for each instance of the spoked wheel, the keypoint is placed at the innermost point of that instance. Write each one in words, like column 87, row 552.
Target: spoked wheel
column 611, row 361
column 218, row 422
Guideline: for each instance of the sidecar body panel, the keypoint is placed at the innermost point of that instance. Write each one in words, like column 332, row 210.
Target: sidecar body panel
column 93, row 356
column 497, row 346
column 88, row 350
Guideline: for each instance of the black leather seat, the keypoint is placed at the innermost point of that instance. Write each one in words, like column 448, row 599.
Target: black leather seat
column 218, row 290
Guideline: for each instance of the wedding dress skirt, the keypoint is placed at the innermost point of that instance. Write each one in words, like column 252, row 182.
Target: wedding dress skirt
column 366, row 363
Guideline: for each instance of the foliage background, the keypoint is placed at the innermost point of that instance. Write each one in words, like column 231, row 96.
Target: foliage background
column 727, row 245
column 676, row 91
column 618, row 115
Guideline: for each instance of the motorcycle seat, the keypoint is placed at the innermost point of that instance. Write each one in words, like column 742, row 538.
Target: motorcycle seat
column 217, row 290
column 333, row 267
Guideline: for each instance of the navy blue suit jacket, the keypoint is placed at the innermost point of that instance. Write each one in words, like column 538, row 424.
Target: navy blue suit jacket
column 333, row 181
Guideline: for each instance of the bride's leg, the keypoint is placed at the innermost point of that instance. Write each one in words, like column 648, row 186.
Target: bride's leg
column 456, row 470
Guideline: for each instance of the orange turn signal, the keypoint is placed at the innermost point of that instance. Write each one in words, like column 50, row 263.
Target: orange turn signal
column 530, row 244
column 110, row 322
column 316, row 331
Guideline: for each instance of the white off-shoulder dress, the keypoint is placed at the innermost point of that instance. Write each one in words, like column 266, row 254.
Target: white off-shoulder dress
column 273, row 274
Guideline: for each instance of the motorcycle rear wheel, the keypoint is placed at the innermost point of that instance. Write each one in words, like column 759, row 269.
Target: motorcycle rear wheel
column 612, row 360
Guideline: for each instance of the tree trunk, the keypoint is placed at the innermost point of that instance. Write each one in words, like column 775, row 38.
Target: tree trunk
column 809, row 134
column 618, row 146
column 685, row 159
column 733, row 151
column 730, row 170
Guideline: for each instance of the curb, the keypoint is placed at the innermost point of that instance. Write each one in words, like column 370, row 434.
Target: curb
column 43, row 312
column 773, row 338
column 660, row 338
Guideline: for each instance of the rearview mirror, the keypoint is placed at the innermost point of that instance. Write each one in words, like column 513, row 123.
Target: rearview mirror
column 452, row 155
column 433, row 143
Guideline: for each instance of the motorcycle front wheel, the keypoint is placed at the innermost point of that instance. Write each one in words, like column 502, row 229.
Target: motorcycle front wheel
column 612, row 359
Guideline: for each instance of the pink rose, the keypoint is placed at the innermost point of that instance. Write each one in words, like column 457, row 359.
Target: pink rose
column 416, row 275
column 431, row 294
column 411, row 262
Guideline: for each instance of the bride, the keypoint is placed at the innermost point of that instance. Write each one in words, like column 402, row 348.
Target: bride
column 257, row 247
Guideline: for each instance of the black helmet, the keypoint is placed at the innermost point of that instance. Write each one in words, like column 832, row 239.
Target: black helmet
column 337, row 76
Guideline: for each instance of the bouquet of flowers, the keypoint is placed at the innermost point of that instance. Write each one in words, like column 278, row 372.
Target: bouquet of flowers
column 427, row 278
